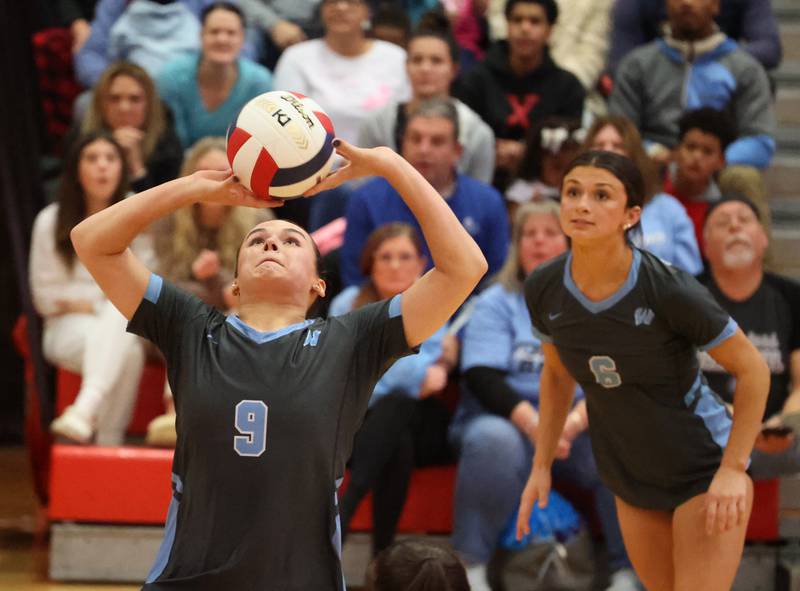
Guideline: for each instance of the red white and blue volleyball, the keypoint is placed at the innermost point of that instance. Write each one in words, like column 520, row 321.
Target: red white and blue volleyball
column 281, row 145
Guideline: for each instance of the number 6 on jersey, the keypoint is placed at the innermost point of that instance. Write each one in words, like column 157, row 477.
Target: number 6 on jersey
column 605, row 371
column 251, row 421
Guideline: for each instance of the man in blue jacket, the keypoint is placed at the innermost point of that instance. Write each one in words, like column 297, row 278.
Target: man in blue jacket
column 751, row 23
column 695, row 65
column 430, row 144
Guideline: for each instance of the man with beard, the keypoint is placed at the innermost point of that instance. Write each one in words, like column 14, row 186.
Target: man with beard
column 767, row 308
column 696, row 65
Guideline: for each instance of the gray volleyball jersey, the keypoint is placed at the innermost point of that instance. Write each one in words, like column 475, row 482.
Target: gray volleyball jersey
column 658, row 431
column 265, row 426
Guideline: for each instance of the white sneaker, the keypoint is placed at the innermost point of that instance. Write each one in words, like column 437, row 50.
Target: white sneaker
column 624, row 579
column 476, row 576
column 72, row 425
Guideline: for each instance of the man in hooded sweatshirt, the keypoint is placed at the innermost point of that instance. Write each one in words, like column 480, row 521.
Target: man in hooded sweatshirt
column 519, row 83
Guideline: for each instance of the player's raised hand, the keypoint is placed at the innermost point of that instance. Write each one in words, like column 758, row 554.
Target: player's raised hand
column 361, row 162
column 536, row 489
column 220, row 186
column 725, row 505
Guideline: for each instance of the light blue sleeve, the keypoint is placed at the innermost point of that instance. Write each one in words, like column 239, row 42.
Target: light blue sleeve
column 408, row 373
column 687, row 253
column 754, row 150
column 488, row 337
column 343, row 303
column 682, row 239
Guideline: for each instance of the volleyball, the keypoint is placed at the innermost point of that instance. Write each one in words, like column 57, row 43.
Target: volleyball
column 281, row 145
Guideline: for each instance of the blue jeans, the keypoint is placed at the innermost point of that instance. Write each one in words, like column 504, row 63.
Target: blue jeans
column 494, row 464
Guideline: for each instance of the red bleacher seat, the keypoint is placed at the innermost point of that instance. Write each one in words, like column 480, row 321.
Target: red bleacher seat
column 132, row 485
column 149, row 403
column 763, row 524
column 109, row 484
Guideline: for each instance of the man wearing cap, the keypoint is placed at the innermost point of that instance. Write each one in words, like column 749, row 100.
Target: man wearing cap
column 767, row 308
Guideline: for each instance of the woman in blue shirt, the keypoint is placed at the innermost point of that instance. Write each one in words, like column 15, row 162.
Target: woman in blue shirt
column 495, row 426
column 666, row 227
column 206, row 91
column 405, row 426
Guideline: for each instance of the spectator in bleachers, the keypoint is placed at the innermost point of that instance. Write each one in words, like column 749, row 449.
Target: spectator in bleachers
column 392, row 24
column 74, row 308
column 495, row 425
column 406, row 425
column 519, row 83
column 196, row 248
column 749, row 22
column 432, row 65
column 348, row 74
column 206, row 91
column 698, row 160
column 667, row 230
column 125, row 103
column 550, row 147
column 416, row 565
column 767, row 308
column 695, row 65
column 579, row 42
column 430, row 144
column 146, row 32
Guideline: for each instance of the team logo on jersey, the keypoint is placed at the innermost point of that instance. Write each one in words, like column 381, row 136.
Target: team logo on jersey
column 643, row 316
column 312, row 336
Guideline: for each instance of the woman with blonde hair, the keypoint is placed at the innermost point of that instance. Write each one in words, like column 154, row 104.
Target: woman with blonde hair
column 666, row 228
column 196, row 249
column 196, row 246
column 498, row 414
column 125, row 103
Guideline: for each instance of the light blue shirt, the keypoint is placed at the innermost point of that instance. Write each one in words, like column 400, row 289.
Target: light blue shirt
column 177, row 85
column 499, row 335
column 669, row 233
column 407, row 373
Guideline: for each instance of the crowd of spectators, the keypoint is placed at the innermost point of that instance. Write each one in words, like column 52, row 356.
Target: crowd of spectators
column 489, row 100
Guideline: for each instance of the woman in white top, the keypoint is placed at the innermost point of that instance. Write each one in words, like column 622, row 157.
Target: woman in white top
column 72, row 304
column 348, row 74
column 432, row 65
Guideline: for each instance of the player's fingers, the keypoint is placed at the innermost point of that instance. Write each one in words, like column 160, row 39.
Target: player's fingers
column 543, row 494
column 711, row 514
column 728, row 515
column 331, row 181
column 346, row 149
column 525, row 507
column 219, row 175
column 741, row 504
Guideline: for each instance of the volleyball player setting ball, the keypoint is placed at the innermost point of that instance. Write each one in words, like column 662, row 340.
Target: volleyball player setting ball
column 626, row 326
column 268, row 401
